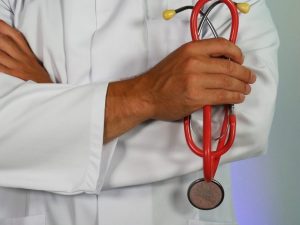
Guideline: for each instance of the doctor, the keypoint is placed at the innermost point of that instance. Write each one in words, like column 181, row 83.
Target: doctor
column 89, row 109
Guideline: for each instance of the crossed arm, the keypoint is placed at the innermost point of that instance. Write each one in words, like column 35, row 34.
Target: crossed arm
column 56, row 130
column 185, row 81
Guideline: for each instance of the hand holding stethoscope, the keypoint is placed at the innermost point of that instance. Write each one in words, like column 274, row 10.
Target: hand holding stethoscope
column 207, row 193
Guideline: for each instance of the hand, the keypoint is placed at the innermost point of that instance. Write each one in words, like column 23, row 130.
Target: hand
column 189, row 78
column 16, row 57
column 194, row 75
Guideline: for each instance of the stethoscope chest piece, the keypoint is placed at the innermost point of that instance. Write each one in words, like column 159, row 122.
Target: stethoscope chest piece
column 205, row 195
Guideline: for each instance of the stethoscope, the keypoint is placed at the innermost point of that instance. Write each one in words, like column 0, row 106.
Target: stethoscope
column 207, row 193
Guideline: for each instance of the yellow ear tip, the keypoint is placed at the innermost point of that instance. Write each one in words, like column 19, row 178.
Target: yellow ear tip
column 243, row 7
column 169, row 14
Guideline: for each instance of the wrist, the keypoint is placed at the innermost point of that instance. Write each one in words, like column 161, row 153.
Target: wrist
column 129, row 99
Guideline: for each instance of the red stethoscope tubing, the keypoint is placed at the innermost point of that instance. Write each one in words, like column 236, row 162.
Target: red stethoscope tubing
column 228, row 131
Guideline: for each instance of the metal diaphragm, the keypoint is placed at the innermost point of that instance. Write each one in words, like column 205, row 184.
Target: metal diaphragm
column 205, row 195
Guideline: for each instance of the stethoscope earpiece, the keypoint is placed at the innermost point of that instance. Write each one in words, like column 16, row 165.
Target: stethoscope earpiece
column 243, row 7
column 169, row 14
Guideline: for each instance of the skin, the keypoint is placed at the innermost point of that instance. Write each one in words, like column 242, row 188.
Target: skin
column 16, row 57
column 194, row 75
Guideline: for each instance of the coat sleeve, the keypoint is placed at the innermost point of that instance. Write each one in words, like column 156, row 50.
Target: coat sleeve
column 51, row 134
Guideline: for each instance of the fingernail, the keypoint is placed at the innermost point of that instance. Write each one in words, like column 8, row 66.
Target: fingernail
column 248, row 89
column 242, row 97
column 253, row 78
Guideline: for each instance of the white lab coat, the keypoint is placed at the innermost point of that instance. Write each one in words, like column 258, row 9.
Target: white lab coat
column 54, row 168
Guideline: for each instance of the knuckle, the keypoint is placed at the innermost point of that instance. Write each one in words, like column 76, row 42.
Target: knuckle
column 227, row 82
column 2, row 23
column 229, row 67
column 224, row 43
column 220, row 96
column 5, row 38
column 238, row 97
column 2, row 37
column 189, row 63
column 18, row 33
column 188, row 48
column 190, row 94
column 193, row 79
column 189, row 80
column 188, row 85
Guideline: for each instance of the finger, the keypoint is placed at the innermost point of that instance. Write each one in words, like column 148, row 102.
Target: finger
column 227, row 67
column 4, row 69
column 222, row 97
column 221, row 81
column 7, row 60
column 16, row 35
column 217, row 47
column 11, row 72
column 219, row 66
column 9, row 46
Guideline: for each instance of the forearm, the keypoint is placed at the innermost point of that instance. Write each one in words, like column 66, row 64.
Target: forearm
column 177, row 86
column 126, row 107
